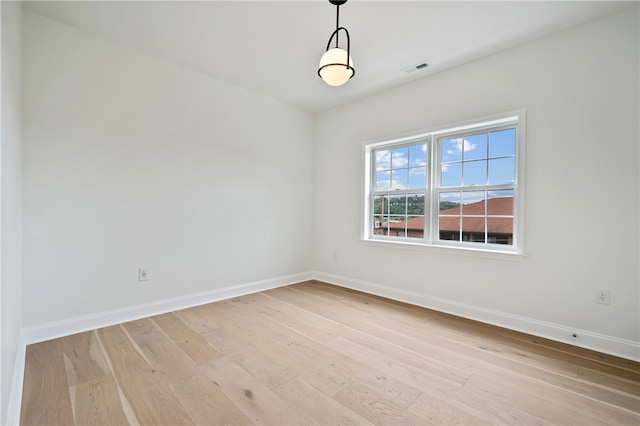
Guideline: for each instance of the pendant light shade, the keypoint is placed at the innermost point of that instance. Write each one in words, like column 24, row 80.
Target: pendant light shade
column 336, row 65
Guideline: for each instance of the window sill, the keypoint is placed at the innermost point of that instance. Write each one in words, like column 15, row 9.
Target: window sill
column 464, row 251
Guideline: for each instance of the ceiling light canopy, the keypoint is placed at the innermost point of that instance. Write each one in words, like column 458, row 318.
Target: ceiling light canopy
column 336, row 65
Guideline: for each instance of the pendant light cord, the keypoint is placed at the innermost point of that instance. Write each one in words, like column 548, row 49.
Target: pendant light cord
column 337, row 23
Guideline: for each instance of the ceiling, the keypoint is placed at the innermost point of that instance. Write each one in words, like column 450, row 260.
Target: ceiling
column 273, row 47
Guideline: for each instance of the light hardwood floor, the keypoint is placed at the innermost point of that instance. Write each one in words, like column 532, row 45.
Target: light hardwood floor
column 312, row 353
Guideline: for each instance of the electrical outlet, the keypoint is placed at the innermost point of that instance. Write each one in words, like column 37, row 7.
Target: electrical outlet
column 334, row 256
column 603, row 296
column 143, row 274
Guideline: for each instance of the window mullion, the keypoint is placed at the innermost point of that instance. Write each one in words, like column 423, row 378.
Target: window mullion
column 434, row 182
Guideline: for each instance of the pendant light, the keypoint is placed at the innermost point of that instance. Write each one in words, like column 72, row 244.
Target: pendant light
column 336, row 65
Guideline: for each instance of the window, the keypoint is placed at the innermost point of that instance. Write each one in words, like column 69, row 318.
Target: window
column 456, row 187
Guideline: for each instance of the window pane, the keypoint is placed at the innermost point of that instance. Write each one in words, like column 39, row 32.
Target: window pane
column 405, row 215
column 451, row 150
column 383, row 160
column 449, row 219
column 450, row 203
column 449, row 228
column 397, row 226
column 398, row 205
column 418, row 155
column 396, row 222
column 502, row 143
column 500, row 230
column 475, row 173
column 411, row 227
column 451, row 174
column 415, row 227
column 475, row 146
column 502, row 170
column 383, row 181
column 473, row 203
column 379, row 204
column 415, row 205
column 379, row 225
column 399, row 157
column 500, row 203
column 417, row 177
column 473, row 229
column 399, row 179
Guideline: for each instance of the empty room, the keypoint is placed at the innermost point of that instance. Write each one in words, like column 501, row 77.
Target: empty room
column 320, row 212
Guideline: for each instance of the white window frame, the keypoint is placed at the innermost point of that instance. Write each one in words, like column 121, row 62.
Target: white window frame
column 431, row 239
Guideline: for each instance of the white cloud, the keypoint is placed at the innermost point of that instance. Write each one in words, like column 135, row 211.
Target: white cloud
column 458, row 144
column 419, row 163
column 399, row 160
column 397, row 185
column 417, row 171
column 383, row 158
column 386, row 185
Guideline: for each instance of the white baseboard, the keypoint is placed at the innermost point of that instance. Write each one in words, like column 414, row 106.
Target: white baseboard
column 40, row 333
column 15, row 395
column 606, row 344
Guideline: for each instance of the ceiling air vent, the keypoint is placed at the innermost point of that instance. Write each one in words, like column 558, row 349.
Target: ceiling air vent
column 418, row 67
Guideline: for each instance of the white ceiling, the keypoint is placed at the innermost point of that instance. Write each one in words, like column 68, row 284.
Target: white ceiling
column 273, row 47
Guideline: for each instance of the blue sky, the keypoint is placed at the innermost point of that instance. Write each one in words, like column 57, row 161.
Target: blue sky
column 486, row 158
column 478, row 159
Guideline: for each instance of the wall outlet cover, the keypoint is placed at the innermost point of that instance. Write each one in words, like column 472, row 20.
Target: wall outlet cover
column 143, row 274
column 603, row 296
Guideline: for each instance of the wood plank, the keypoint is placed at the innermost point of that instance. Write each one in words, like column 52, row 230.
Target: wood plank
column 258, row 403
column 203, row 318
column 468, row 403
column 552, row 405
column 565, row 401
column 200, row 398
column 377, row 407
column 186, row 338
column 415, row 367
column 441, row 411
column 85, row 359
column 315, row 367
column 269, row 370
column 45, row 398
column 611, row 380
column 319, row 407
column 145, row 389
column 97, row 402
column 355, row 368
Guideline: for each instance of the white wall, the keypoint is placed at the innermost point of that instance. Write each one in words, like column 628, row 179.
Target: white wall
column 580, row 90
column 131, row 161
column 10, row 201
